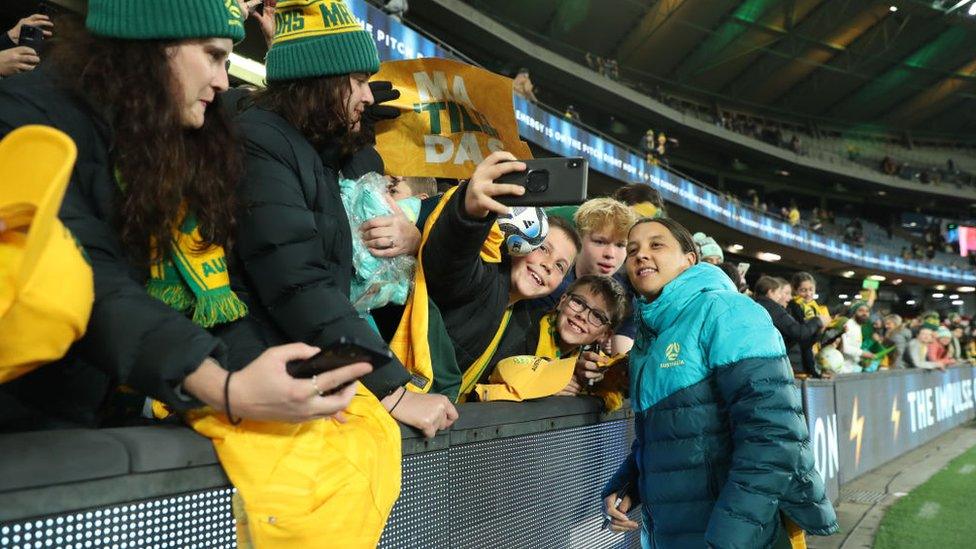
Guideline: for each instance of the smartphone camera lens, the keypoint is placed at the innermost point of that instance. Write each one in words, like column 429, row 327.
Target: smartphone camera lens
column 537, row 181
column 574, row 163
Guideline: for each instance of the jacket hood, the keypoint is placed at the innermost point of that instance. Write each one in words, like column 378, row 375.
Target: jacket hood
column 677, row 294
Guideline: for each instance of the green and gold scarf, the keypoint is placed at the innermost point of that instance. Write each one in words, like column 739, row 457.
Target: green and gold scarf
column 190, row 279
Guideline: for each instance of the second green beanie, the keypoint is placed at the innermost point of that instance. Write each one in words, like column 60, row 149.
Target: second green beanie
column 318, row 38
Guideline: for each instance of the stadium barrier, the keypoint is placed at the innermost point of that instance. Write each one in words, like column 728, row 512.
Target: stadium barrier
column 506, row 475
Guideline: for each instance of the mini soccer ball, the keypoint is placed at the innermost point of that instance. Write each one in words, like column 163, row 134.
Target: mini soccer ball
column 831, row 360
column 525, row 229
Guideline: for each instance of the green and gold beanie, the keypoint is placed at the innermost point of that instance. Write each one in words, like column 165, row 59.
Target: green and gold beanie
column 857, row 304
column 318, row 38
column 165, row 20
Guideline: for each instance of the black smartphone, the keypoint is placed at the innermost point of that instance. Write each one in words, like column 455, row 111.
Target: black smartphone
column 343, row 352
column 32, row 37
column 548, row 182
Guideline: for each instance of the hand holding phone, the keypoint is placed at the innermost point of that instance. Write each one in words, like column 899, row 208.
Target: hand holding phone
column 32, row 37
column 482, row 194
column 548, row 182
column 343, row 352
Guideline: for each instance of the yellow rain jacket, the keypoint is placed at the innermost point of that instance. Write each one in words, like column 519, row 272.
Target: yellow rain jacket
column 320, row 483
column 46, row 287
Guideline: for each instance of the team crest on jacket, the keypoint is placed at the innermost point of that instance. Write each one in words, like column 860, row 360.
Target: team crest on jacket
column 672, row 352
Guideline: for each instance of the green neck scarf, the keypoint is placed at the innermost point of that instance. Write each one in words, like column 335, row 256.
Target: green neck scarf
column 190, row 279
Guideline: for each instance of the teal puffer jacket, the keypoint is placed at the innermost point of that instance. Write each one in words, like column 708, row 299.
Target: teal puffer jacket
column 722, row 447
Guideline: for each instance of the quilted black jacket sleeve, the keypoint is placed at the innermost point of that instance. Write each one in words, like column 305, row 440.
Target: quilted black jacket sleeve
column 451, row 253
column 793, row 331
column 293, row 240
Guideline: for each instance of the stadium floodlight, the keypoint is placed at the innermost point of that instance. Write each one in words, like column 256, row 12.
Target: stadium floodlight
column 735, row 248
column 910, row 302
column 941, row 287
column 938, row 296
column 893, row 9
column 972, row 9
column 954, row 296
column 847, row 274
column 958, row 302
column 847, row 303
column 768, row 256
column 966, row 289
column 843, row 296
column 877, row 278
column 896, row 281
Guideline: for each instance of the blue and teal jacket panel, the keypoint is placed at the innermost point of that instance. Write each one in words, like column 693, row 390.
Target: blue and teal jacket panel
column 721, row 443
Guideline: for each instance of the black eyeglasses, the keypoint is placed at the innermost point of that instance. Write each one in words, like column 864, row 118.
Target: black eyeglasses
column 577, row 304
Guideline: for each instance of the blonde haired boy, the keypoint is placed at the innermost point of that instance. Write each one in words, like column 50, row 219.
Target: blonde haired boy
column 603, row 224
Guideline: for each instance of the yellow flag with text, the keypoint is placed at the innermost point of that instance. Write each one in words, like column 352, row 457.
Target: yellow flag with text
column 452, row 115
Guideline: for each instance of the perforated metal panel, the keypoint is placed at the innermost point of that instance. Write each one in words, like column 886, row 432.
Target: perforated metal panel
column 201, row 519
column 537, row 491
column 421, row 517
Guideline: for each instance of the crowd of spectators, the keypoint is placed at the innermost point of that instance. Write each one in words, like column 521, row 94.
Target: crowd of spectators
column 228, row 252
column 266, row 210
column 801, row 139
column 757, row 128
column 931, row 243
column 606, row 67
column 856, row 338
column 656, row 145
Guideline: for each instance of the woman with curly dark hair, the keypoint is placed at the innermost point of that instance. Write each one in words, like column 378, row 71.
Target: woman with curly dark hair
column 151, row 203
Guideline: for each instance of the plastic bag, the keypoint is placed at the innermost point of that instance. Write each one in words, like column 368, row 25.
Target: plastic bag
column 376, row 281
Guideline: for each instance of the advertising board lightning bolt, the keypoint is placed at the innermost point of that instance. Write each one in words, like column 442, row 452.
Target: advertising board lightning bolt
column 857, row 432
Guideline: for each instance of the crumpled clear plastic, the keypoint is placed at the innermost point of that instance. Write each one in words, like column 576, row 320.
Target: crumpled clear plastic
column 376, row 281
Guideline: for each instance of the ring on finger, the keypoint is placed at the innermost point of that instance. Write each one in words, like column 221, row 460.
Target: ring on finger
column 315, row 388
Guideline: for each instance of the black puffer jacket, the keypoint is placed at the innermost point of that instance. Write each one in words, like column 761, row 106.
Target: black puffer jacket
column 472, row 295
column 132, row 339
column 295, row 244
column 802, row 334
column 802, row 353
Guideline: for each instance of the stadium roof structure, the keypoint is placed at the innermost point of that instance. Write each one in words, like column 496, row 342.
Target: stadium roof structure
column 891, row 65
